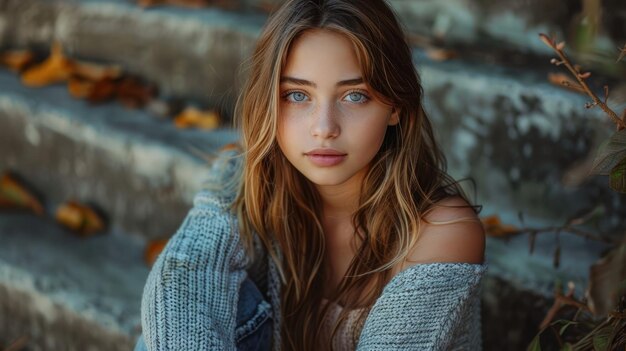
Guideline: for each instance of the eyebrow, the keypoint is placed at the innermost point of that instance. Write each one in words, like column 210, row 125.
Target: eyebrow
column 298, row 81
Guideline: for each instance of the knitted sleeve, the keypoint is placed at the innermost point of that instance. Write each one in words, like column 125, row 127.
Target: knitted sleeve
column 190, row 297
column 423, row 308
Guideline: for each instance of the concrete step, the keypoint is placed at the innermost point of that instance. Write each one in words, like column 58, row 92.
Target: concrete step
column 64, row 292
column 141, row 171
column 190, row 53
column 517, row 136
column 196, row 53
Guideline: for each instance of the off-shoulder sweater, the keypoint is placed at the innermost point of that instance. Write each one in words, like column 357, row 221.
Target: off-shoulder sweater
column 190, row 297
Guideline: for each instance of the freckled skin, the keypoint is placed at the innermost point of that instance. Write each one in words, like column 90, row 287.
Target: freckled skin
column 346, row 118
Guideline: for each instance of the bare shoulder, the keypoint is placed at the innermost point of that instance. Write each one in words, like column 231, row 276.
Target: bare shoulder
column 450, row 232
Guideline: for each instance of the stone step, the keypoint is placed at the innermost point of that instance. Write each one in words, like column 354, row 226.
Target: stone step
column 196, row 53
column 141, row 171
column 190, row 53
column 507, row 128
column 515, row 134
column 503, row 25
column 63, row 292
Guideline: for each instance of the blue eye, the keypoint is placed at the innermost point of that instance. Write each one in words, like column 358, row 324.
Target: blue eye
column 295, row 96
column 356, row 97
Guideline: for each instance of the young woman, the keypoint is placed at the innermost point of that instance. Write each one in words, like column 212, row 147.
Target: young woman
column 336, row 226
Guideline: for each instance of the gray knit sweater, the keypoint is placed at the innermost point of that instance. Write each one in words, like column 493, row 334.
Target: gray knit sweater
column 190, row 298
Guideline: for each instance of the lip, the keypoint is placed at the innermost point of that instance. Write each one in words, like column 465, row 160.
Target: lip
column 325, row 157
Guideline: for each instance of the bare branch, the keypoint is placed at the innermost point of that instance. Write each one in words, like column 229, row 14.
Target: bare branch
column 575, row 70
column 560, row 301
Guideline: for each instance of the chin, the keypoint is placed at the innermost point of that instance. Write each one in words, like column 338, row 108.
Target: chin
column 325, row 180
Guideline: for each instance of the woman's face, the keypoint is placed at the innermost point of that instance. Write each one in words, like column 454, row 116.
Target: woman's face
column 330, row 124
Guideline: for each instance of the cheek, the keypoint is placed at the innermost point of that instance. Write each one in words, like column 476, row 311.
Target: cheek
column 286, row 134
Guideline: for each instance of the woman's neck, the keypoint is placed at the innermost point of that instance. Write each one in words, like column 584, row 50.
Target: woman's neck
column 340, row 201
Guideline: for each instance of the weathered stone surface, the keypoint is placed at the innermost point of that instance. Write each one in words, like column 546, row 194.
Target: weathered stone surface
column 510, row 24
column 68, row 293
column 516, row 136
column 188, row 53
column 142, row 172
column 509, row 130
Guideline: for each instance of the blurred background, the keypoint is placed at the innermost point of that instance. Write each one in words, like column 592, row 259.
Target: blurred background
column 112, row 110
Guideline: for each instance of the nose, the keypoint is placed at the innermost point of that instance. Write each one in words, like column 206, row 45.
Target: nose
column 324, row 123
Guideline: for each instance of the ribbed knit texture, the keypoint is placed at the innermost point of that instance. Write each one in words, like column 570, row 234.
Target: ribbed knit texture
column 191, row 295
column 433, row 306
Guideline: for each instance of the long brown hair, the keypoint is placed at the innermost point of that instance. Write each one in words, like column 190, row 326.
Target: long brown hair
column 406, row 178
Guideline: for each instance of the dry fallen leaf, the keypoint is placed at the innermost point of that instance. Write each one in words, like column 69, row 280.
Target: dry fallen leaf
column 94, row 91
column 565, row 81
column 229, row 147
column 16, row 195
column 56, row 68
column 81, row 219
column 438, row 54
column 133, row 93
column 192, row 117
column 153, row 249
column 80, row 88
column 17, row 60
column 494, row 227
column 103, row 90
column 96, row 72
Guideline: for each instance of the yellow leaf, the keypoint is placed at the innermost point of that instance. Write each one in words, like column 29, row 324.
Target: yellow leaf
column 192, row 117
column 80, row 88
column 229, row 147
column 437, row 54
column 17, row 60
column 81, row 219
column 57, row 68
column 92, row 71
column 494, row 227
column 15, row 194
column 153, row 249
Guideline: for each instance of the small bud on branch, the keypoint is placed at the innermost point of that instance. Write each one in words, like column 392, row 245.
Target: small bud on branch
column 580, row 77
column 548, row 41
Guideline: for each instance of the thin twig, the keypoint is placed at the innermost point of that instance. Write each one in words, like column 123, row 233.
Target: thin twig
column 560, row 301
column 580, row 77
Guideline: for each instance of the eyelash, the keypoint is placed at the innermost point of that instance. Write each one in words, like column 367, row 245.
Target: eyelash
column 366, row 98
column 286, row 95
